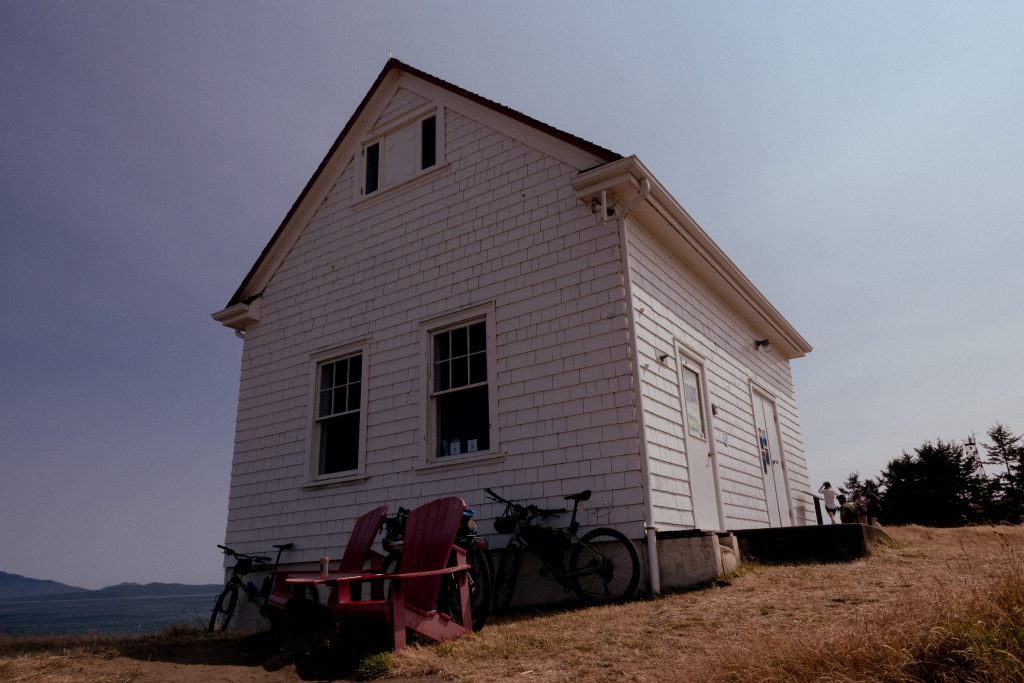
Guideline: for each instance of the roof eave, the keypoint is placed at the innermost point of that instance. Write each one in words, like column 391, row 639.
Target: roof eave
column 623, row 178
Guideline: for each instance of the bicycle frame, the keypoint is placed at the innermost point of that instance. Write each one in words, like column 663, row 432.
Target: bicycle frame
column 552, row 546
column 228, row 599
column 600, row 566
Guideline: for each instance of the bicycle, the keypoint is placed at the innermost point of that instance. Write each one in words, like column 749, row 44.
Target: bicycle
column 601, row 566
column 227, row 601
column 478, row 557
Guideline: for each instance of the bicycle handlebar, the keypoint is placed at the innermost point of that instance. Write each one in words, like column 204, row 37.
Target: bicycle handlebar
column 258, row 559
column 531, row 509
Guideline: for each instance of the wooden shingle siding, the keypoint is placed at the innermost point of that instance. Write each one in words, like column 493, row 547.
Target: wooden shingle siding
column 499, row 224
column 401, row 104
column 671, row 304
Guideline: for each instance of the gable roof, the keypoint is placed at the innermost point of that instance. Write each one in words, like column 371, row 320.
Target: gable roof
column 244, row 293
column 600, row 170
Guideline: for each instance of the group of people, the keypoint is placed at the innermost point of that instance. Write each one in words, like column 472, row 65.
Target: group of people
column 862, row 507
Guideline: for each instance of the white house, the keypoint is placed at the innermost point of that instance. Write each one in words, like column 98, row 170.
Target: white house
column 464, row 297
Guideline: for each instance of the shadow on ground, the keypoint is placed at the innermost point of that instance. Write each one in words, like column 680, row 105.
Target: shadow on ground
column 321, row 653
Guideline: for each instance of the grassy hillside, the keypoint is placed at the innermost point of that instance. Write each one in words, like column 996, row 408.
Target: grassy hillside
column 936, row 605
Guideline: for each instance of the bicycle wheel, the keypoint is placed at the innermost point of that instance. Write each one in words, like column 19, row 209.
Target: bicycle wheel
column 480, row 597
column 604, row 566
column 505, row 578
column 224, row 609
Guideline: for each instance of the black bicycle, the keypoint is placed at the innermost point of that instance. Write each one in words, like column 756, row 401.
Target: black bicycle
column 478, row 557
column 227, row 601
column 600, row 566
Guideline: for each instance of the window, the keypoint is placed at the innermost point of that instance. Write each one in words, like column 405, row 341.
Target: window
column 428, row 142
column 339, row 399
column 399, row 151
column 372, row 153
column 460, row 391
column 693, row 402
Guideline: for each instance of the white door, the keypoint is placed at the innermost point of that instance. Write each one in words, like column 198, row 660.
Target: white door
column 699, row 457
column 773, row 468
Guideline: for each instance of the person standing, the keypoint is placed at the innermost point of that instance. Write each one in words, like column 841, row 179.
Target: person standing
column 828, row 496
column 847, row 511
column 861, row 501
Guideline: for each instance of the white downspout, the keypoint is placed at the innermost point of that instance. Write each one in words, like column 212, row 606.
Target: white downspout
column 650, row 530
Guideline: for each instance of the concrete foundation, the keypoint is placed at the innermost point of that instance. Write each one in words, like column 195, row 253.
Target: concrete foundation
column 692, row 558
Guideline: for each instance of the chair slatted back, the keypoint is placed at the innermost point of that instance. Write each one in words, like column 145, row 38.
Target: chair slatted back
column 363, row 533
column 429, row 534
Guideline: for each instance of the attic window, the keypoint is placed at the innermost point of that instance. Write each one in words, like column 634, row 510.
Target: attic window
column 402, row 152
column 428, row 142
column 372, row 168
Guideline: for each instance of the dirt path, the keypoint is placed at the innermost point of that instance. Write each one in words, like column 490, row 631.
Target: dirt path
column 771, row 623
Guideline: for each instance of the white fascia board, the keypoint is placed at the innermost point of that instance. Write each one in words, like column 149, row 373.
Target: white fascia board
column 660, row 213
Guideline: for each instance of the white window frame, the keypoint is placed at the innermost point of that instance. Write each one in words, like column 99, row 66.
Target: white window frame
column 319, row 359
column 379, row 135
column 428, row 328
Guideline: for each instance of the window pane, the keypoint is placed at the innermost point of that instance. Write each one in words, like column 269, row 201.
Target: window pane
column 428, row 137
column 353, row 396
column 327, row 376
column 340, row 372
column 478, row 337
column 339, row 444
column 460, row 339
column 460, row 372
column 372, row 168
column 691, row 397
column 339, row 400
column 441, row 379
column 325, row 403
column 355, row 368
column 442, row 349
column 477, row 368
column 463, row 422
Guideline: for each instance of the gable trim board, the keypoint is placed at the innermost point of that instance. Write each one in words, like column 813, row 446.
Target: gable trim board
column 585, row 316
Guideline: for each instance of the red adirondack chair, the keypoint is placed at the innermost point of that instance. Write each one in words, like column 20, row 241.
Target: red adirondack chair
column 412, row 600
column 353, row 561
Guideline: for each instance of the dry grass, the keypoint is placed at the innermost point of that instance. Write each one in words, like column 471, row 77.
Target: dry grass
column 937, row 605
column 940, row 604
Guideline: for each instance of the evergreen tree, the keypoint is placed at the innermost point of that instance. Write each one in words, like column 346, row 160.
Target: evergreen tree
column 1007, row 451
column 852, row 483
column 940, row 485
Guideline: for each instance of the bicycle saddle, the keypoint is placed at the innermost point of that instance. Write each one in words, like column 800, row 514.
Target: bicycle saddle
column 579, row 497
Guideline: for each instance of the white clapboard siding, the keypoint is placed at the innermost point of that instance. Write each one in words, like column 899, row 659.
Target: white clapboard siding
column 670, row 304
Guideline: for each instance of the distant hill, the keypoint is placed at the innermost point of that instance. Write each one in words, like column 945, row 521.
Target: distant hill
column 14, row 586
column 151, row 590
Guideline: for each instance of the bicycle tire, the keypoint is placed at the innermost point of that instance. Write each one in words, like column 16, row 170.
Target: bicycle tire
column 481, row 582
column 223, row 609
column 505, row 578
column 606, row 574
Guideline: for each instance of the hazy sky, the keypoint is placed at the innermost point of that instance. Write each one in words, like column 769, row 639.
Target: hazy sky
column 861, row 162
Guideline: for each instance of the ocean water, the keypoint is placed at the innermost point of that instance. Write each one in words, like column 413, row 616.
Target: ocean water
column 109, row 616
